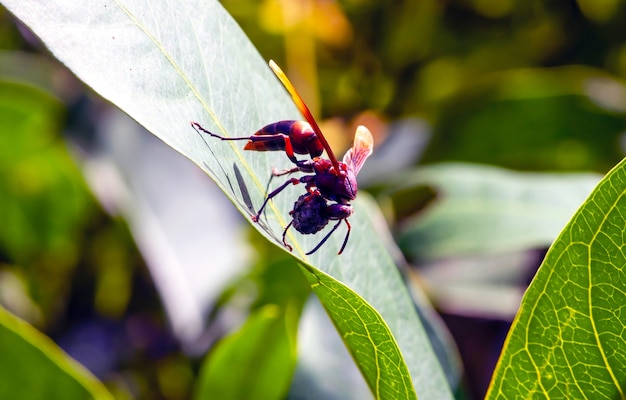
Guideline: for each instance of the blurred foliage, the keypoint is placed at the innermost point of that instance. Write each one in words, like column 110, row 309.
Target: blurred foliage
column 44, row 203
column 262, row 352
column 502, row 82
column 528, row 85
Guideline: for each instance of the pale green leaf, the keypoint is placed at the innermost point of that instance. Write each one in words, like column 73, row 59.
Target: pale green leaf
column 165, row 63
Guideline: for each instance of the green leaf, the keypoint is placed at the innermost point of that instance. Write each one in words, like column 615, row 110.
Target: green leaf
column 367, row 336
column 567, row 340
column 262, row 354
column 33, row 367
column 483, row 209
column 165, row 63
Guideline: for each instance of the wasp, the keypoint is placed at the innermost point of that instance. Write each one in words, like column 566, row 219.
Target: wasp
column 330, row 184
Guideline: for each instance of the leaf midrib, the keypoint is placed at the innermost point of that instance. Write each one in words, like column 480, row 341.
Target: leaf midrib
column 294, row 242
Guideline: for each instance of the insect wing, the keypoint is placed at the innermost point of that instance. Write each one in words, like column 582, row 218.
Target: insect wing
column 304, row 110
column 361, row 149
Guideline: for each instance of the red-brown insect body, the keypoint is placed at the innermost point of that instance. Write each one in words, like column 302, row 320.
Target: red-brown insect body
column 289, row 136
column 336, row 186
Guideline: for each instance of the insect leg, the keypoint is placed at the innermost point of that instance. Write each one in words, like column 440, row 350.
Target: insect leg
column 292, row 181
column 285, row 234
column 288, row 171
column 264, row 142
column 345, row 240
column 276, row 172
column 197, row 126
column 326, row 238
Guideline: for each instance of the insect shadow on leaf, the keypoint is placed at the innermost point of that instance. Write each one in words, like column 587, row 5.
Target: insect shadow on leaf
column 245, row 194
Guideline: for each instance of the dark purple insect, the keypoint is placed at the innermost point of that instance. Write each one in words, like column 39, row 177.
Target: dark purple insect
column 326, row 180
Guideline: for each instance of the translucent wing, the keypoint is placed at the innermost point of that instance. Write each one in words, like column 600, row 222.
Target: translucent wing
column 304, row 110
column 361, row 149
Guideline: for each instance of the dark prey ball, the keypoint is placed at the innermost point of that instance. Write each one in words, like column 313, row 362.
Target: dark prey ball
column 309, row 213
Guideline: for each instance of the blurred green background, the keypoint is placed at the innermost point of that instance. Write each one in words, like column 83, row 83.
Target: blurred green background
column 525, row 85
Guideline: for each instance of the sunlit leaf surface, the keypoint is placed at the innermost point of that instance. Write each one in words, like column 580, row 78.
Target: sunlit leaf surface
column 568, row 338
column 165, row 63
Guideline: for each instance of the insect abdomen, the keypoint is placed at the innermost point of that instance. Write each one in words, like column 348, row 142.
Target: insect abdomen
column 273, row 137
column 279, row 130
